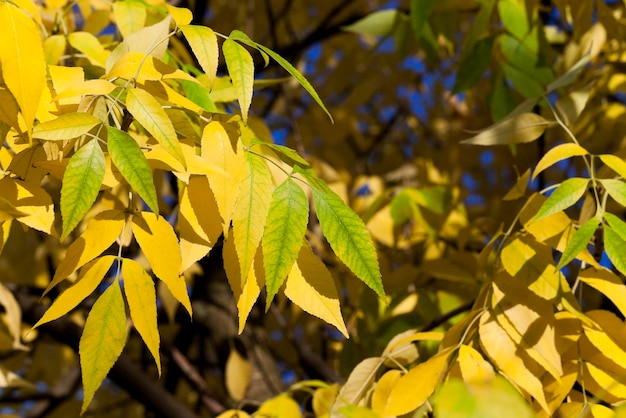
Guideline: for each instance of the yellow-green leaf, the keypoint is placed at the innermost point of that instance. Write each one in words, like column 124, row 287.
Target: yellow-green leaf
column 149, row 113
column 81, row 182
column 615, row 247
column 607, row 283
column 141, row 297
column 616, row 189
column 54, row 48
column 102, row 341
column 525, row 127
column 89, row 278
column 565, row 195
column 22, row 60
column 159, row 244
column 203, row 43
column 617, row 164
column 130, row 16
column 579, row 241
column 89, row 45
column 415, row 387
column 241, row 70
column 556, row 154
column 311, row 287
column 251, row 210
column 242, row 37
column 131, row 161
column 99, row 234
column 284, row 231
column 66, row 126
column 348, row 237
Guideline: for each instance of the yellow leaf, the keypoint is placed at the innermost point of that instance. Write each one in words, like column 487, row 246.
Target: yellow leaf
column 12, row 316
column 102, row 341
column 384, row 386
column 607, row 283
column 141, row 297
column 89, row 45
column 237, row 374
column 519, row 190
column 22, row 60
column 556, row 154
column 182, row 16
column 203, row 42
column 159, row 244
column 415, row 387
column 580, row 409
column 281, row 406
column 135, row 65
column 474, row 368
column 245, row 293
column 234, row 413
column 151, row 40
column 217, row 149
column 251, row 209
column 90, row 276
column 99, row 234
column 241, row 70
column 130, row 16
column 54, row 48
column 199, row 221
column 515, row 365
column 311, row 287
column 161, row 90
column 359, row 383
column 88, row 87
column 149, row 113
column 64, row 78
column 33, row 203
column 617, row 164
column 9, row 109
column 323, row 399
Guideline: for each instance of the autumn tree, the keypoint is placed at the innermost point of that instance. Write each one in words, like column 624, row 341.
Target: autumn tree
column 287, row 208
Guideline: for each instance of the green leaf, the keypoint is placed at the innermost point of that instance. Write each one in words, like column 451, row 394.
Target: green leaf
column 617, row 224
column 420, row 11
column 523, row 83
column 132, row 163
column 203, row 43
column 571, row 74
column 437, row 199
column 241, row 70
column 141, row 297
column 348, row 237
column 251, row 210
column 240, row 36
column 102, row 341
column 579, row 241
column 379, row 23
column 149, row 113
column 563, row 197
column 617, row 164
column 66, row 126
column 284, row 231
column 285, row 153
column 615, row 247
column 616, row 189
column 525, row 127
column 473, row 65
column 198, row 94
column 558, row 153
column 81, row 182
column 503, row 100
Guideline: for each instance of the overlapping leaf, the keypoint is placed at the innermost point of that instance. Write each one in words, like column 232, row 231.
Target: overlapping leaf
column 565, row 195
column 241, row 70
column 521, row 128
column 203, row 43
column 66, row 126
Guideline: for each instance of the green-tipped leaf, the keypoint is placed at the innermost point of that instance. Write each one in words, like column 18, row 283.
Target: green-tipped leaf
column 81, row 182
column 132, row 163
column 284, row 231
column 579, row 241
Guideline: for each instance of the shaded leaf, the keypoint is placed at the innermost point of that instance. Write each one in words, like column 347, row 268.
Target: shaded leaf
column 378, row 23
column 237, row 374
column 102, row 341
column 525, row 127
column 132, row 163
column 360, row 381
column 81, row 182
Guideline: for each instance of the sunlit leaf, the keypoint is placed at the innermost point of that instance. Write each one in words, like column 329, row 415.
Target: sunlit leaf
column 556, row 154
column 87, row 87
column 81, row 183
column 182, row 16
column 131, row 161
column 141, row 298
column 615, row 247
column 284, row 230
column 565, row 195
column 89, row 278
column 240, row 36
column 311, row 287
column 617, row 164
column 102, row 341
column 203, row 43
column 251, row 210
column 607, row 283
column 159, row 243
column 280, row 406
column 66, row 126
column 616, row 189
column 89, row 45
column 241, row 70
column 474, row 368
column 149, row 113
column 525, row 127
column 285, row 153
column 384, row 386
column 130, row 16
column 579, row 241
